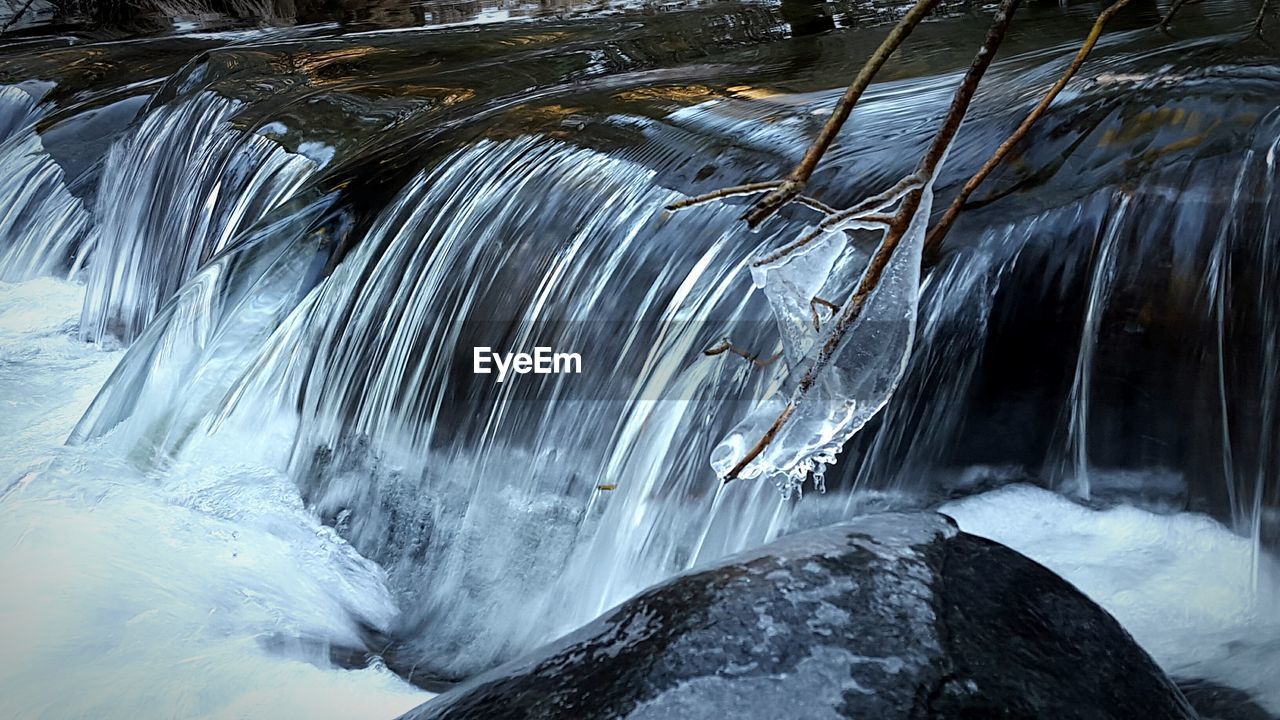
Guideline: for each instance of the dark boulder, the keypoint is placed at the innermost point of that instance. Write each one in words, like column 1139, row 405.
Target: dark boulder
column 888, row 616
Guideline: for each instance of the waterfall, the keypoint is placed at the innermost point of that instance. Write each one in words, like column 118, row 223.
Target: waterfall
column 174, row 194
column 463, row 488
column 367, row 355
column 1101, row 278
column 1239, row 285
column 41, row 223
column 1108, row 293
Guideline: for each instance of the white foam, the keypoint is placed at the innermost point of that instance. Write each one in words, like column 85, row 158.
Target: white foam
column 204, row 592
column 1183, row 585
column 47, row 378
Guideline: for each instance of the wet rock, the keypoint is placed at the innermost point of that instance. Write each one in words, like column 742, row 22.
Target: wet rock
column 888, row 616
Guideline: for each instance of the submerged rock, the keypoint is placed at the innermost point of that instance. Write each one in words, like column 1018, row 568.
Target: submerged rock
column 887, row 616
column 1217, row 702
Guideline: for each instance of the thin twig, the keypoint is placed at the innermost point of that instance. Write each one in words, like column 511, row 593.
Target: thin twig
column 736, row 190
column 748, row 189
column 767, row 438
column 727, row 346
column 13, row 20
column 813, row 308
column 852, row 309
column 795, row 182
column 878, row 218
column 1257, row 22
column 816, row 204
column 862, row 210
column 1168, row 18
column 934, row 242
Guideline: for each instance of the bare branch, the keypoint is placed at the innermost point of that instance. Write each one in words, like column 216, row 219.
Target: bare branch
column 878, row 218
column 815, row 204
column 928, row 167
column 863, row 210
column 795, row 182
column 813, row 308
column 1257, row 22
column 13, row 20
column 748, row 189
column 934, row 241
column 727, row 346
column 1168, row 18
column 736, row 190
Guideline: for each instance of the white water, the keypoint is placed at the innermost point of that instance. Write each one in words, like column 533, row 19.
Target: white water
column 169, row 579
column 204, row 591
column 1185, row 587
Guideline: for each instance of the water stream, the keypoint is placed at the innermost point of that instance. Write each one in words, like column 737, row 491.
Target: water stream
column 244, row 272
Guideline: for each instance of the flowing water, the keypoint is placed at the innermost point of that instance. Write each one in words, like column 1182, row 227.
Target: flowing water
column 244, row 271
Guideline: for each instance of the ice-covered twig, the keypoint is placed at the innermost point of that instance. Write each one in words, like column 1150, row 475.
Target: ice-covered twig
column 735, row 191
column 867, row 211
column 727, row 346
column 748, row 189
column 934, row 242
column 816, row 204
column 813, row 308
column 13, row 19
column 927, row 169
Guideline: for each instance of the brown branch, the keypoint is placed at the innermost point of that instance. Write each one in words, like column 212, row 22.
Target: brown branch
column 934, row 241
column 815, row 204
column 863, row 210
column 727, row 346
column 879, row 218
column 928, row 167
column 795, row 182
column 748, row 189
column 813, row 308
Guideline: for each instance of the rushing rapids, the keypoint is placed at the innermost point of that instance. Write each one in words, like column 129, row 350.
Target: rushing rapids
column 301, row 235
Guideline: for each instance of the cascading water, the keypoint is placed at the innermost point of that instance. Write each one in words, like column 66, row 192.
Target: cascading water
column 1249, row 452
column 41, row 223
column 348, row 350
column 1102, row 276
column 174, row 194
column 390, row 429
column 300, row 380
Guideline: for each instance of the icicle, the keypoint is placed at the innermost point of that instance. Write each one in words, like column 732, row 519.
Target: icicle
column 864, row 371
